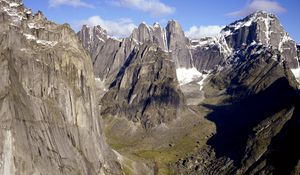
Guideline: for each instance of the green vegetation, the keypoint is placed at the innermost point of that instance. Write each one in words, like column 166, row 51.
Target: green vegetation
column 153, row 148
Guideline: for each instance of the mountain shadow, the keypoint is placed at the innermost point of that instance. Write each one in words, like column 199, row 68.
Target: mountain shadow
column 283, row 152
column 235, row 121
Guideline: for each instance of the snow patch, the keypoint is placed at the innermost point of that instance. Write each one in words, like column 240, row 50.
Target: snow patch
column 218, row 40
column 115, row 38
column 186, row 76
column 100, row 39
column 296, row 73
column 284, row 39
column 267, row 32
column 13, row 4
column 43, row 42
column 35, row 26
column 29, row 36
column 201, row 82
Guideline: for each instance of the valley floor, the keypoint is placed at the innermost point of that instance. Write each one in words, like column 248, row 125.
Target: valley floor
column 153, row 151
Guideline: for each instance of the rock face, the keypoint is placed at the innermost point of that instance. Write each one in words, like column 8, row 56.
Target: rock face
column 146, row 89
column 209, row 52
column 262, row 28
column 170, row 39
column 154, row 34
column 177, row 45
column 261, row 108
column 48, row 114
column 108, row 54
column 203, row 54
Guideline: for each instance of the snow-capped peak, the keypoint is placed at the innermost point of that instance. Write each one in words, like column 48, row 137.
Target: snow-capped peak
column 248, row 21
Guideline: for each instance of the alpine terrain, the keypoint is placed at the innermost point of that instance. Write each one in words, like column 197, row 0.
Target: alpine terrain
column 153, row 103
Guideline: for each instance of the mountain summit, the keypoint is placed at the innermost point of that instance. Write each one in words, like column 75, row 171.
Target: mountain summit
column 264, row 28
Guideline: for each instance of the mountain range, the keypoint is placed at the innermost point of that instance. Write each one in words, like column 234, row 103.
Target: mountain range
column 156, row 102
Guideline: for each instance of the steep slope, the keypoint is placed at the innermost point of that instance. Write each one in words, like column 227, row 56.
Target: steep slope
column 108, row 54
column 178, row 45
column 170, row 39
column 257, row 108
column 146, row 89
column 48, row 114
column 154, row 34
column 265, row 28
column 209, row 52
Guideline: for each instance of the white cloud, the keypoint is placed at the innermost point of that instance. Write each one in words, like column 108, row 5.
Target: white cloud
column 203, row 31
column 257, row 5
column 118, row 28
column 155, row 7
column 74, row 3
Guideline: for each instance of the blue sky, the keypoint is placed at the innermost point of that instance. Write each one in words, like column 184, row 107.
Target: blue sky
column 197, row 17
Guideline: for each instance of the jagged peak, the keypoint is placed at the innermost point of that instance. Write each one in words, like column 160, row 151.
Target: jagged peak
column 174, row 25
column 254, row 17
column 97, row 28
column 261, row 13
column 248, row 21
column 172, row 21
column 39, row 16
column 144, row 25
column 156, row 25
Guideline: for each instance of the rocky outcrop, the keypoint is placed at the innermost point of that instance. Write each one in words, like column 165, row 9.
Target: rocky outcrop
column 259, row 108
column 108, row 54
column 264, row 28
column 154, row 34
column 92, row 39
column 177, row 45
column 209, row 52
column 170, row 39
column 146, row 89
column 48, row 112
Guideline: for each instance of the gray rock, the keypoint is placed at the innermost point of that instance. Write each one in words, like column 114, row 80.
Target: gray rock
column 209, row 52
column 108, row 54
column 92, row 38
column 265, row 28
column 48, row 115
column 178, row 45
column 154, row 34
column 146, row 89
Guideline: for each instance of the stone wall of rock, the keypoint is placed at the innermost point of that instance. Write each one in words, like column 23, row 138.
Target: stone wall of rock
column 146, row 89
column 49, row 118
